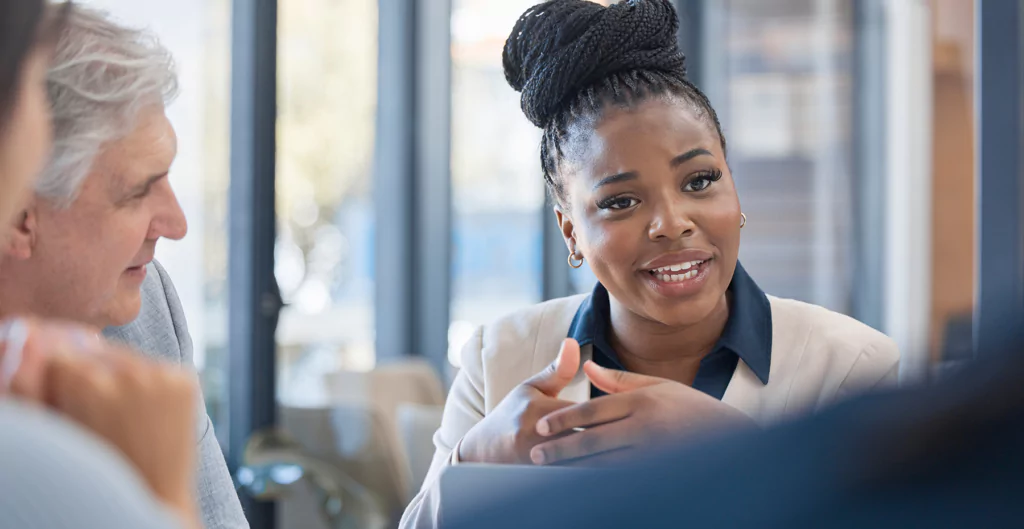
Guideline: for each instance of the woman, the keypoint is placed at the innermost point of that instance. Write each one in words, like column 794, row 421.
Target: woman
column 93, row 435
column 677, row 338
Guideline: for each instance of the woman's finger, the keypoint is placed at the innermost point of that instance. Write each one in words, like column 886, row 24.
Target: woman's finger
column 25, row 348
column 613, row 381
column 13, row 337
column 586, row 414
column 590, row 442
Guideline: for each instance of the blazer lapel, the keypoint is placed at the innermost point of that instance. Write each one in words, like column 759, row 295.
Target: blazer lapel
column 745, row 391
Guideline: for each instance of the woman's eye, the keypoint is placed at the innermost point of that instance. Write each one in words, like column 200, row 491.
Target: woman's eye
column 618, row 203
column 703, row 180
column 698, row 184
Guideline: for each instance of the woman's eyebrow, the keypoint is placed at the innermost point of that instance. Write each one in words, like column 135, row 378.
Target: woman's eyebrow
column 689, row 155
column 621, row 177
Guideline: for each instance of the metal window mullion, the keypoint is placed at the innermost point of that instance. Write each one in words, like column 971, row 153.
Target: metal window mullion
column 692, row 38
column 999, row 286
column 412, row 188
column 867, row 278
column 432, row 181
column 393, row 186
column 254, row 301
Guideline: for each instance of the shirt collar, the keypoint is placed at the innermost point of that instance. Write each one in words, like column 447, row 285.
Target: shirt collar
column 748, row 333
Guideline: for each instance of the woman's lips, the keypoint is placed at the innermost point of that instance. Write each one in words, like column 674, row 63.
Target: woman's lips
column 680, row 280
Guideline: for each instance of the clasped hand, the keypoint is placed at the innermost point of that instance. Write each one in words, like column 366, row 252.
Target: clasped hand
column 143, row 408
column 531, row 425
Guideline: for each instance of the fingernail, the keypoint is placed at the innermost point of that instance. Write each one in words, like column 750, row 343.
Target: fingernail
column 543, row 428
column 537, row 456
column 14, row 333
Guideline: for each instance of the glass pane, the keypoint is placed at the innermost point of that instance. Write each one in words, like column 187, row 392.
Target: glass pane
column 327, row 61
column 198, row 35
column 497, row 187
column 786, row 103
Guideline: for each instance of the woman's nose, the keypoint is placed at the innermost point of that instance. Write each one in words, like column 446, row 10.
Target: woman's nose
column 671, row 222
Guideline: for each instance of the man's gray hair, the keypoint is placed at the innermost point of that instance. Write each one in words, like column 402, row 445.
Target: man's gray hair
column 103, row 74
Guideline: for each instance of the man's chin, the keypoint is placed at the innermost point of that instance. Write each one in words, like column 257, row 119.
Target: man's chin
column 123, row 310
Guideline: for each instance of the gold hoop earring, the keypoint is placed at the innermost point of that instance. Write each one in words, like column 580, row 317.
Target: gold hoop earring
column 572, row 263
column 743, row 220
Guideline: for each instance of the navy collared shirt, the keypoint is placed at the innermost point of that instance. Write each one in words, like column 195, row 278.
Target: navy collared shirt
column 747, row 335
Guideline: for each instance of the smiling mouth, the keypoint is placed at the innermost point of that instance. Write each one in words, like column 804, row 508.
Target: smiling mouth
column 678, row 273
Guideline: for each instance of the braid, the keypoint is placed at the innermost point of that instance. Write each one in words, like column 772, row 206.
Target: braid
column 571, row 58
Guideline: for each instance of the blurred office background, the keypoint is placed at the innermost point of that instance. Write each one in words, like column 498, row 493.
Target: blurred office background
column 408, row 208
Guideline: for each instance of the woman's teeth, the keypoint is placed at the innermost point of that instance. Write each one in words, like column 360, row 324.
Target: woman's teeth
column 676, row 278
column 670, row 274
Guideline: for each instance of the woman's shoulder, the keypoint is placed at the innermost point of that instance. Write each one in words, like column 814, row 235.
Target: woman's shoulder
column 825, row 330
column 553, row 316
column 538, row 327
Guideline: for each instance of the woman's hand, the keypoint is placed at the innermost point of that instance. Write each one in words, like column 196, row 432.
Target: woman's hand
column 508, row 433
column 27, row 344
column 143, row 408
column 639, row 411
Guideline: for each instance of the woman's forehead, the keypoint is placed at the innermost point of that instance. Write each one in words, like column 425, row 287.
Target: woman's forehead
column 656, row 130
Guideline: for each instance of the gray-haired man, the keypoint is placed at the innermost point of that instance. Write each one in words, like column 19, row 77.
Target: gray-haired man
column 83, row 250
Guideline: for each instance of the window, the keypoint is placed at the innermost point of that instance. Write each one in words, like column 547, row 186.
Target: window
column 327, row 60
column 497, row 184
column 783, row 90
column 497, row 188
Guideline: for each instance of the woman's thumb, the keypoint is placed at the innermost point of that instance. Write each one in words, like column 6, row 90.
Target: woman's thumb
column 560, row 373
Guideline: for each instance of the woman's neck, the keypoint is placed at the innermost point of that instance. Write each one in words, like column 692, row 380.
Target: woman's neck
column 652, row 348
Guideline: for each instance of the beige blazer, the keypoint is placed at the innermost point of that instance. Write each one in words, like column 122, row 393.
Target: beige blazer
column 817, row 358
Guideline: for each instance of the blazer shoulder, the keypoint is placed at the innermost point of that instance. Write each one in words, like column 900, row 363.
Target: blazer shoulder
column 534, row 320
column 837, row 334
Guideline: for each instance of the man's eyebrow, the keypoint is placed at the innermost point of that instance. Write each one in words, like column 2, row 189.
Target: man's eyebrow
column 139, row 189
column 145, row 185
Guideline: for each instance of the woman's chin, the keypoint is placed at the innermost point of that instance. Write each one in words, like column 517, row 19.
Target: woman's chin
column 680, row 313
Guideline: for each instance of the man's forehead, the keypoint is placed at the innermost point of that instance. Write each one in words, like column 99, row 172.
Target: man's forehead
column 149, row 150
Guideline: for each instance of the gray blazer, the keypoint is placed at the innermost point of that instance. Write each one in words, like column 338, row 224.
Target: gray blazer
column 160, row 331
column 55, row 475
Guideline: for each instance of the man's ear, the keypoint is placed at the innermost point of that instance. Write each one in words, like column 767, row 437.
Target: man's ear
column 23, row 234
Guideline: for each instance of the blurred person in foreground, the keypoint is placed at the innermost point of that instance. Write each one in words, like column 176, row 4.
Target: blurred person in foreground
column 635, row 157
column 94, row 435
column 82, row 249
column 948, row 455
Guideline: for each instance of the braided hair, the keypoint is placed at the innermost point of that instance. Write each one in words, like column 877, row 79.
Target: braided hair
column 571, row 58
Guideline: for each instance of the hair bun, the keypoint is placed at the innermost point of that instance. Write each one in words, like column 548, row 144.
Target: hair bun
column 561, row 47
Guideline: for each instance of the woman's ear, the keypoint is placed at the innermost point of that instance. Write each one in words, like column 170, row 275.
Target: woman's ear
column 566, row 226
column 23, row 235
